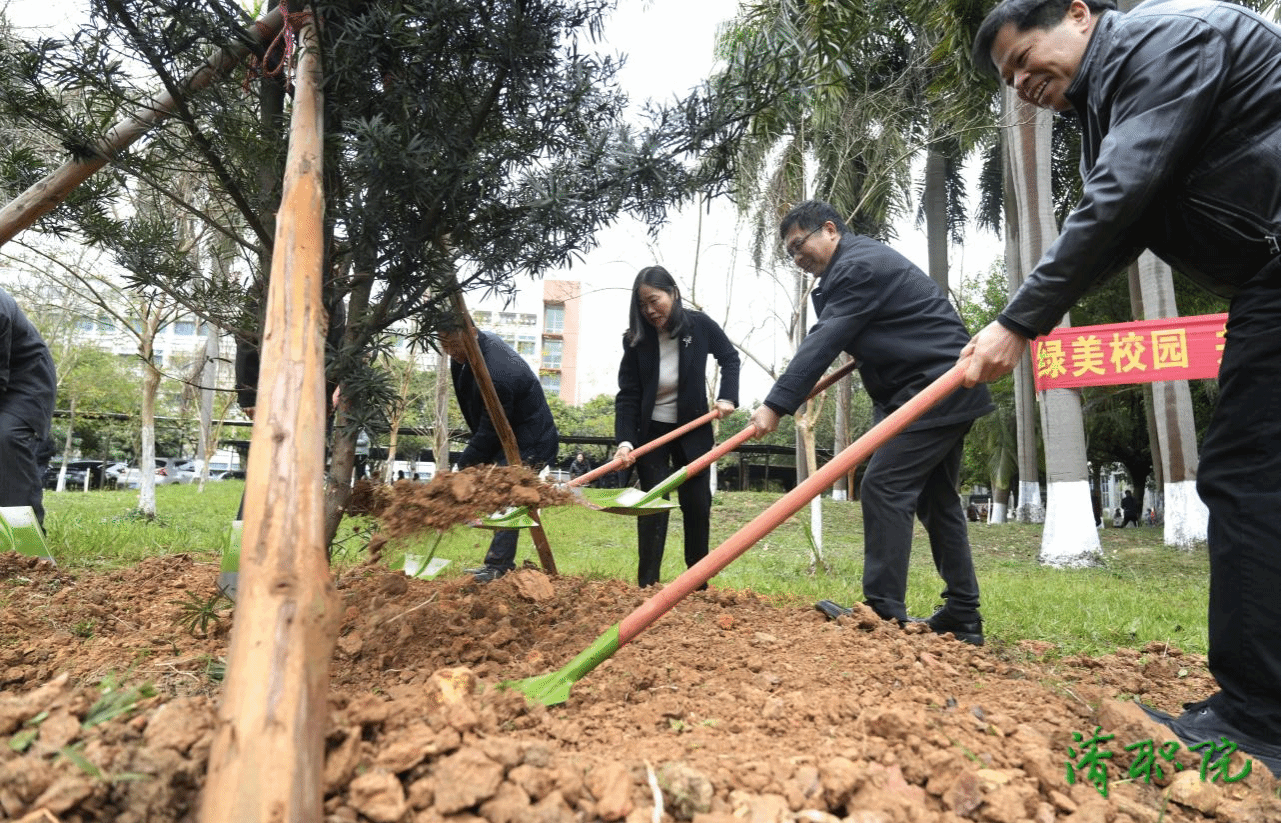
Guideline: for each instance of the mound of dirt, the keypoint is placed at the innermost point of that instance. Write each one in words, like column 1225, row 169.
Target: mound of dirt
column 730, row 708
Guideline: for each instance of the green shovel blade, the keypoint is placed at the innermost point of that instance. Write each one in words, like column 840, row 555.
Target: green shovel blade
column 554, row 689
column 514, row 518
column 20, row 532
column 632, row 502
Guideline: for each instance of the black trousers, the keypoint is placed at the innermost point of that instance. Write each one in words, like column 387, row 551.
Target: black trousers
column 1238, row 479
column 694, row 496
column 916, row 474
column 21, row 465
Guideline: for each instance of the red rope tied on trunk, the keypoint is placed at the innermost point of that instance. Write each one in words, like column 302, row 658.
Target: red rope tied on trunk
column 291, row 23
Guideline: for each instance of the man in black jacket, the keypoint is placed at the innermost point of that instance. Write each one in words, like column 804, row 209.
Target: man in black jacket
column 1178, row 105
column 875, row 305
column 27, row 388
column 526, row 410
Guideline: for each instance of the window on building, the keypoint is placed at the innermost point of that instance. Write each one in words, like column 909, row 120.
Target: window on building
column 507, row 318
column 529, row 319
column 551, row 354
column 508, row 338
column 86, row 324
column 525, row 346
column 481, row 317
column 554, row 318
column 185, row 327
column 551, row 382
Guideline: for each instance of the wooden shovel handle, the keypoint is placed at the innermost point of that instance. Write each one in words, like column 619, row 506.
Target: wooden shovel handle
column 790, row 503
column 737, row 440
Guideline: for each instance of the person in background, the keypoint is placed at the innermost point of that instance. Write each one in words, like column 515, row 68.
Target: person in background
column 579, row 466
column 1177, row 101
column 883, row 311
column 526, row 410
column 1130, row 509
column 662, row 386
column 27, row 389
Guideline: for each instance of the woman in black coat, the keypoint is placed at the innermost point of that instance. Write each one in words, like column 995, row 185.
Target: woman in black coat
column 661, row 387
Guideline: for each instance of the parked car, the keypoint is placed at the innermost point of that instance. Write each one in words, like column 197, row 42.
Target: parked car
column 76, row 471
column 167, row 473
column 113, row 474
column 221, row 463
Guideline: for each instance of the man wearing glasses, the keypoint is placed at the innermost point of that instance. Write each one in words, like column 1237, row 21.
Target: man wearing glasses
column 883, row 311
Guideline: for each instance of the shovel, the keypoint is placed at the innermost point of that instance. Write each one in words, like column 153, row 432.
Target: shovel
column 617, row 463
column 639, row 503
column 552, row 689
column 518, row 517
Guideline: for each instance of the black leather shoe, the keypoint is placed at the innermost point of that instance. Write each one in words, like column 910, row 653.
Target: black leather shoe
column 489, row 574
column 967, row 631
column 832, row 610
column 1201, row 723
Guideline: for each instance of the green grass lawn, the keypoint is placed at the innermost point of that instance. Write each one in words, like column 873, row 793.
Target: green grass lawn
column 1143, row 591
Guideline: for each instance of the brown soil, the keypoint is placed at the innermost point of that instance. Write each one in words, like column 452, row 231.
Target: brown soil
column 730, row 708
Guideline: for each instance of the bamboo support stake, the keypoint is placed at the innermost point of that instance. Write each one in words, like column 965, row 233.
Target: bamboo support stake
column 511, row 449
column 268, row 754
column 42, row 196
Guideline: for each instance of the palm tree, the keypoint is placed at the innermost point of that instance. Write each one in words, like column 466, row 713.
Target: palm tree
column 1069, row 537
column 1186, row 515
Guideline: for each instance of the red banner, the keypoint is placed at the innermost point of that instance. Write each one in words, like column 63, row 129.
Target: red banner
column 1178, row 348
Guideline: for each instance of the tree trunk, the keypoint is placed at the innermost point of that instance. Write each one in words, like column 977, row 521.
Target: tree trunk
column 441, row 429
column 342, row 452
column 208, row 382
column 1028, row 498
column 935, row 203
column 1184, row 514
column 1069, row 537
column 268, row 754
column 66, row 446
column 147, row 418
column 841, row 431
column 998, row 507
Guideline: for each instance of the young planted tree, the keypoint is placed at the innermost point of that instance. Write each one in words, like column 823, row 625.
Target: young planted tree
column 526, row 159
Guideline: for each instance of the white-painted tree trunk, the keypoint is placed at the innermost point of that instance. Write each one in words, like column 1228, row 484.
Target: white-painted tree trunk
column 1069, row 540
column 1069, row 537
column 1185, row 516
column 997, row 512
column 66, row 446
column 1030, row 508
column 1024, row 244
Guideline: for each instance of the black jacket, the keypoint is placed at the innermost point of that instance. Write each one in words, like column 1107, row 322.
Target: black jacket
column 1178, row 106
column 523, row 401
column 27, row 381
column 879, row 308
column 639, row 381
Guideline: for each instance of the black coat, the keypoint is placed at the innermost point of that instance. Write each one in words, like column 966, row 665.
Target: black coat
column 879, row 308
column 639, row 381
column 27, row 381
column 523, row 401
column 1178, row 106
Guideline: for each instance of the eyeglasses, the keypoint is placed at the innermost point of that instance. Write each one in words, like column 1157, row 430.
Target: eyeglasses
column 795, row 246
